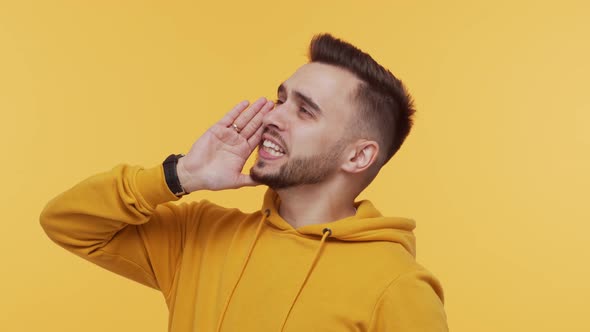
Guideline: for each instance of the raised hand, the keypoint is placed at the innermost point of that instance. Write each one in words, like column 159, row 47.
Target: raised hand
column 216, row 159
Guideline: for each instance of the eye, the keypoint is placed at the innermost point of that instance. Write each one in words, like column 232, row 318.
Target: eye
column 301, row 109
column 304, row 111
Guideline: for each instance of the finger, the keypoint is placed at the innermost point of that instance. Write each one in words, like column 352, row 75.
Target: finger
column 251, row 127
column 229, row 118
column 255, row 139
column 243, row 118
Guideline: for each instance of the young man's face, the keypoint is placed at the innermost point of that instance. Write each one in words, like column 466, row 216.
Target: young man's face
column 305, row 134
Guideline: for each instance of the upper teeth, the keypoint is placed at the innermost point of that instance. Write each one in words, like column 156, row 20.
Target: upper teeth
column 273, row 146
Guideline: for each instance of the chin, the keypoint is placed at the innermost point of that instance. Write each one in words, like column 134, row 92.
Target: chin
column 262, row 173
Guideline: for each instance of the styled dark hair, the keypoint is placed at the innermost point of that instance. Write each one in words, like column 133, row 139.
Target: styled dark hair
column 385, row 106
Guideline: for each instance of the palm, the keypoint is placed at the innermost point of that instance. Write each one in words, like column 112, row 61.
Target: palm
column 221, row 154
column 216, row 159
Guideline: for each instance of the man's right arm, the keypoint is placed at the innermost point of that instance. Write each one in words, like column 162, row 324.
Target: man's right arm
column 124, row 219
column 104, row 219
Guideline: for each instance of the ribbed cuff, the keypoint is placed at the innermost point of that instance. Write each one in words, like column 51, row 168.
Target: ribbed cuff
column 152, row 186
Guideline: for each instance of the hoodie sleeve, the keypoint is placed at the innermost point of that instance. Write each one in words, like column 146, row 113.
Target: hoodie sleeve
column 412, row 302
column 124, row 221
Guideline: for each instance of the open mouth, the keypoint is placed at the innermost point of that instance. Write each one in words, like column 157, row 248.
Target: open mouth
column 270, row 150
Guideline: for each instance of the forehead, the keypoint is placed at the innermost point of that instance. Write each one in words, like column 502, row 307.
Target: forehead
column 329, row 86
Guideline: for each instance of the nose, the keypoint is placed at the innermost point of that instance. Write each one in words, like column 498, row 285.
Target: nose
column 276, row 118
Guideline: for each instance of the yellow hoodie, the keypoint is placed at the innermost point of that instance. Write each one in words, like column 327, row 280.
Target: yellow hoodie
column 221, row 269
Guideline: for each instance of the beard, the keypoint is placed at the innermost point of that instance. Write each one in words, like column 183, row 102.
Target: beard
column 300, row 171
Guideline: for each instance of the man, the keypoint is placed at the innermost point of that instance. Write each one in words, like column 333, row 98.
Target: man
column 312, row 258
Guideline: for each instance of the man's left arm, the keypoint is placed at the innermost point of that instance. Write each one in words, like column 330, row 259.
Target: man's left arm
column 412, row 302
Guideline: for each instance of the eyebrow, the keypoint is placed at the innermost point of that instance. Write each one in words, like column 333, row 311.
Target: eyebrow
column 301, row 96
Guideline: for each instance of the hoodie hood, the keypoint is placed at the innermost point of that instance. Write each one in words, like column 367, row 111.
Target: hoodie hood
column 368, row 224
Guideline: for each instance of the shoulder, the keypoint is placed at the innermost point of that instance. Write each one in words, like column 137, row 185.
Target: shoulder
column 412, row 301
column 416, row 278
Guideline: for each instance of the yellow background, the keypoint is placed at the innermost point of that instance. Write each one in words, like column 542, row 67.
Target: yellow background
column 495, row 171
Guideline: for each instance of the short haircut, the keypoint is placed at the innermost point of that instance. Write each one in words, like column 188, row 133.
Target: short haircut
column 385, row 106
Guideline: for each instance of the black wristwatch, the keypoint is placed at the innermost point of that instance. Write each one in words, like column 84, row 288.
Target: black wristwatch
column 172, row 176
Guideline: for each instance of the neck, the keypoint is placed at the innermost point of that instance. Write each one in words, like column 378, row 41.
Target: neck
column 315, row 204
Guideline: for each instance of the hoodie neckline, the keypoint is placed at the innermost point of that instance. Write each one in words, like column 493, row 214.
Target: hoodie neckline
column 368, row 224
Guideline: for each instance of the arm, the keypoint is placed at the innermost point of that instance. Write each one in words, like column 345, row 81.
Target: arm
column 124, row 219
column 412, row 302
column 104, row 219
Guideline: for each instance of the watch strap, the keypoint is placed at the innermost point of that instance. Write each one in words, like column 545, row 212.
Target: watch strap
column 171, row 174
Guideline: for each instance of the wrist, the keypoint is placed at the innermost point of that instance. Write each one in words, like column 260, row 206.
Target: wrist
column 183, row 177
column 188, row 176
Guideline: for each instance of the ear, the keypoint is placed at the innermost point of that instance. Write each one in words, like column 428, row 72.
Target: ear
column 361, row 156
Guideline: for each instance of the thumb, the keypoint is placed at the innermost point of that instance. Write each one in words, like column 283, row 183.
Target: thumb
column 245, row 180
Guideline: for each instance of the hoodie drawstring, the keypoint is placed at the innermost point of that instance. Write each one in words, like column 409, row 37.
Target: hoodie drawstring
column 226, row 305
column 327, row 232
